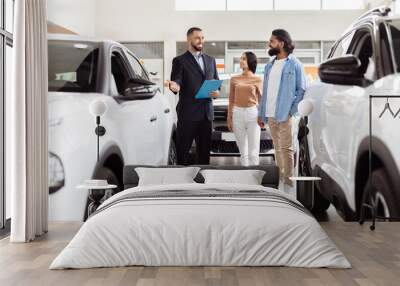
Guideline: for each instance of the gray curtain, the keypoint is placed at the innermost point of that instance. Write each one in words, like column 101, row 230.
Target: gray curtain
column 26, row 123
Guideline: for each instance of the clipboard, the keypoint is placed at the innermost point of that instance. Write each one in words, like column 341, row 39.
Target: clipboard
column 207, row 87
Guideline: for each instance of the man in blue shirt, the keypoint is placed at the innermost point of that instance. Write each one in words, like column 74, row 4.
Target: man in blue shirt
column 284, row 87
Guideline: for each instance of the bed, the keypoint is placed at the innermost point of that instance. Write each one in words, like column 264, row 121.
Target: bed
column 201, row 224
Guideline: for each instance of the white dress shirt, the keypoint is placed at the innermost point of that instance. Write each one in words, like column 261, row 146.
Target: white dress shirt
column 199, row 59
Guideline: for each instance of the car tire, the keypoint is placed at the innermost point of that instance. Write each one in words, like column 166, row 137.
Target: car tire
column 172, row 155
column 378, row 187
column 304, row 188
column 105, row 173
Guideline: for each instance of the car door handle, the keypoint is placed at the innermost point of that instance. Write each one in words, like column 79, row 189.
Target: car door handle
column 153, row 118
column 166, row 110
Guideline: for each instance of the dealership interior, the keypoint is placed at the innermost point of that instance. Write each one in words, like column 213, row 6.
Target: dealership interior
column 98, row 118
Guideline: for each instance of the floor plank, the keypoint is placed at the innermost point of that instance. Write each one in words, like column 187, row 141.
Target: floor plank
column 375, row 257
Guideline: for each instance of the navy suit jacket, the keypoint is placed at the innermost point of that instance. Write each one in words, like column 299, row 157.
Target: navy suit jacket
column 188, row 74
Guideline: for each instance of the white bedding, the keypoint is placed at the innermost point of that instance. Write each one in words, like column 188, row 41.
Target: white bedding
column 200, row 231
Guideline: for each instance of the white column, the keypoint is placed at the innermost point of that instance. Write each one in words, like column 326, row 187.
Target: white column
column 169, row 54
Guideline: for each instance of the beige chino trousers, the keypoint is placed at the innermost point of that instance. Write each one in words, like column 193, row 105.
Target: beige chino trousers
column 281, row 133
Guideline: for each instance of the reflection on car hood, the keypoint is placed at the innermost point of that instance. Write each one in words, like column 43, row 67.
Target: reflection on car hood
column 221, row 102
column 62, row 104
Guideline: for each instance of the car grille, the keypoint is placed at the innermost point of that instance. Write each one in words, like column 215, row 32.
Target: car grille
column 222, row 128
column 220, row 114
column 231, row 147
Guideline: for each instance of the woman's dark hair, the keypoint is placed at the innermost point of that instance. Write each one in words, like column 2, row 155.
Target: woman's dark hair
column 283, row 36
column 251, row 61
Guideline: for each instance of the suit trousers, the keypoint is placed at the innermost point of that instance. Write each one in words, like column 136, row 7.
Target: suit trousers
column 200, row 131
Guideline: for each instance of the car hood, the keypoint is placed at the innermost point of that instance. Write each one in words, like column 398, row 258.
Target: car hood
column 221, row 102
column 62, row 104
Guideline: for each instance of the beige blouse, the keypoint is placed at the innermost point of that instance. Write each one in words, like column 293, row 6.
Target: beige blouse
column 245, row 91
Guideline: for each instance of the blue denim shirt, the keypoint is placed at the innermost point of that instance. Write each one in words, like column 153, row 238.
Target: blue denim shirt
column 291, row 89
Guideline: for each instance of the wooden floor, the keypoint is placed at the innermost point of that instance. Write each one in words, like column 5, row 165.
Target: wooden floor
column 375, row 257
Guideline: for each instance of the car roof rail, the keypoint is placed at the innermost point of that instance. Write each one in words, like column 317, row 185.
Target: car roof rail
column 377, row 11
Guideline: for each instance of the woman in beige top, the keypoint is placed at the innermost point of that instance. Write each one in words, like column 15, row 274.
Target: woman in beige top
column 245, row 94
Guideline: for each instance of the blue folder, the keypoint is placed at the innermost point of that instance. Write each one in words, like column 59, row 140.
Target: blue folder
column 207, row 87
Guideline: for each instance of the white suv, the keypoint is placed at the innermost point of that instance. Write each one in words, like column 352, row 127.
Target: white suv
column 139, row 121
column 335, row 145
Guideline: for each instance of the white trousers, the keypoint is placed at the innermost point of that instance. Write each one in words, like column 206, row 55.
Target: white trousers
column 247, row 134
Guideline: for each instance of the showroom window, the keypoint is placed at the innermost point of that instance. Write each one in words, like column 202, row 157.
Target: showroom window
column 265, row 5
column 326, row 47
column 240, row 5
column 342, row 4
column 205, row 5
column 6, row 44
column 297, row 5
column 227, row 54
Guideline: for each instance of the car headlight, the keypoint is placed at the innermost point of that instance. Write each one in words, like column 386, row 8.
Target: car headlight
column 56, row 173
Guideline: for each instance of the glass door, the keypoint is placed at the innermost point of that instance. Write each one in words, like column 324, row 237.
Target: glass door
column 6, row 44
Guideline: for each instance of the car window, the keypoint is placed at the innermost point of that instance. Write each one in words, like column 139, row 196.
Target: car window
column 361, row 47
column 394, row 28
column 342, row 46
column 137, row 67
column 387, row 64
column 72, row 66
column 119, row 71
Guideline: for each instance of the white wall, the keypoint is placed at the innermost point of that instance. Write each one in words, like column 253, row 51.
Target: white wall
column 156, row 20
column 75, row 15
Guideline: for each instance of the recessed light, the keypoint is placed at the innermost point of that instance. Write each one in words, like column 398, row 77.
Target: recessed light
column 80, row 46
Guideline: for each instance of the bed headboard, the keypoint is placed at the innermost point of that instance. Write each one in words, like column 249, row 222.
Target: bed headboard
column 270, row 179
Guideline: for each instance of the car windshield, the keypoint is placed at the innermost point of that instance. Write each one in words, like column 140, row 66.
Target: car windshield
column 395, row 31
column 73, row 66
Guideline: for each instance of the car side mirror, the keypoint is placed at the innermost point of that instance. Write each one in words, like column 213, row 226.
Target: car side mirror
column 136, row 89
column 344, row 70
column 134, row 82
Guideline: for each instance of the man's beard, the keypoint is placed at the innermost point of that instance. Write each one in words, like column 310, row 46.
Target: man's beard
column 273, row 51
column 199, row 49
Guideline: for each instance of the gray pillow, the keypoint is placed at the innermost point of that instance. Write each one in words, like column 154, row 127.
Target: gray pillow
column 166, row 176
column 248, row 177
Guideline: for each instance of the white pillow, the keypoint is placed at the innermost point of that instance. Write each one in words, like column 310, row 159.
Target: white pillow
column 165, row 176
column 248, row 177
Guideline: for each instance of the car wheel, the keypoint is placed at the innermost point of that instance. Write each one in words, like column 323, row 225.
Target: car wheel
column 378, row 188
column 304, row 188
column 105, row 173
column 172, row 156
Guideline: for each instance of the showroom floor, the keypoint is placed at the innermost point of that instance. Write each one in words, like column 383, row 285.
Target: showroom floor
column 375, row 258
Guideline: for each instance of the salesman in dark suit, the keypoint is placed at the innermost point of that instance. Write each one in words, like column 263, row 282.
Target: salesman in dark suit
column 195, row 116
